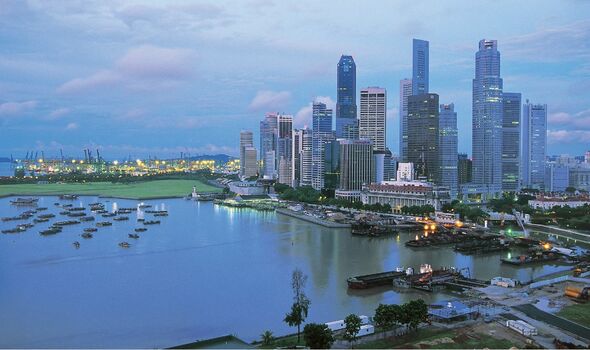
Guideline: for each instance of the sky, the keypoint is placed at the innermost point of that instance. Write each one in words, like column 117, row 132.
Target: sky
column 162, row 77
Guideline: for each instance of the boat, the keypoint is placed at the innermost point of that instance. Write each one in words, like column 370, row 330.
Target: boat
column 143, row 206
column 25, row 201
column 16, row 218
column 41, row 208
column 124, row 245
column 68, row 196
column 87, row 235
column 108, row 215
column 133, row 235
column 151, row 222
column 532, row 258
column 129, row 209
column 77, row 214
column 66, row 223
column 161, row 214
column 46, row 216
column 67, row 205
column 373, row 280
column 87, row 218
column 39, row 220
column 141, row 219
column 140, row 229
column 77, row 209
column 65, row 212
column 76, row 244
column 14, row 230
column 104, row 223
column 49, row 232
column 25, row 226
column 95, row 204
column 90, row 229
column 121, row 218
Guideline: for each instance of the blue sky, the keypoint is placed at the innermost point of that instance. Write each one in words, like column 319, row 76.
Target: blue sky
column 157, row 78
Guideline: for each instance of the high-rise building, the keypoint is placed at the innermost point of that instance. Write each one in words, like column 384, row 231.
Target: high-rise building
column 534, row 144
column 464, row 165
column 346, row 118
column 419, row 67
column 405, row 90
column 448, row 148
column 487, row 116
column 511, row 141
column 356, row 168
column 321, row 134
column 556, row 177
column 296, row 158
column 284, row 148
column 306, row 157
column 268, row 143
column 331, row 165
column 405, row 172
column 250, row 165
column 246, row 140
column 373, row 116
column 423, row 135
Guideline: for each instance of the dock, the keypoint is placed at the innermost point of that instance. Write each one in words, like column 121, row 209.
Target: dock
column 312, row 219
column 374, row 280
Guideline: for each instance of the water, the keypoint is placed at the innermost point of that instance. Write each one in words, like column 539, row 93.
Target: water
column 205, row 271
column 6, row 169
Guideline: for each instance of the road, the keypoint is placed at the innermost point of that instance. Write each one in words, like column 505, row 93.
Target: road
column 553, row 320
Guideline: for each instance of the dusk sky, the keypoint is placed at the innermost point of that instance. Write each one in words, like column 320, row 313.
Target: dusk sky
column 157, row 78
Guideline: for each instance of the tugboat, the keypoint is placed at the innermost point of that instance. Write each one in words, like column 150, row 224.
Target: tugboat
column 76, row 244
column 133, row 235
column 140, row 229
column 87, row 235
column 124, row 245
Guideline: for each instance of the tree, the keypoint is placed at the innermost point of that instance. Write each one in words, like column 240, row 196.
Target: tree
column 570, row 189
column 416, row 312
column 383, row 317
column 267, row 337
column 317, row 336
column 300, row 306
column 353, row 326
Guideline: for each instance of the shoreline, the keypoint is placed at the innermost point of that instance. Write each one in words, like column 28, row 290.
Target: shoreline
column 87, row 195
column 313, row 220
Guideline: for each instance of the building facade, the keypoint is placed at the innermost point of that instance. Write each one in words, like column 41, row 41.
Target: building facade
column 346, row 111
column 511, row 141
column 246, row 140
column 580, row 177
column 268, row 143
column 534, row 144
column 321, row 134
column 284, row 148
column 487, row 115
column 447, row 141
column 464, row 169
column 420, row 66
column 356, row 168
column 250, row 167
column 405, row 90
column 556, row 177
column 423, row 135
column 373, row 116
column 399, row 194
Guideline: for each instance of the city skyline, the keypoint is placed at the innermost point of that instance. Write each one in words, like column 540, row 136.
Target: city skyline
column 56, row 95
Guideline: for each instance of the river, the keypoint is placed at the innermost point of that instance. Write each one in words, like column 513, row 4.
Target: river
column 205, row 271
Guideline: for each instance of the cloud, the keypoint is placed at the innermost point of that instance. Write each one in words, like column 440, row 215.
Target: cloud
column 16, row 108
column 58, row 113
column 266, row 101
column 568, row 136
column 577, row 120
column 303, row 116
column 72, row 126
column 143, row 67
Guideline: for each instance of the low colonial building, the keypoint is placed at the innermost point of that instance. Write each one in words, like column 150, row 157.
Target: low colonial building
column 547, row 203
column 404, row 193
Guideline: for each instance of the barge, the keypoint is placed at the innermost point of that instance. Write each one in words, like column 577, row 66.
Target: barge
column 374, row 280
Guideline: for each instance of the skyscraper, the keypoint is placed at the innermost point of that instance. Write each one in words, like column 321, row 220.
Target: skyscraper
column 534, row 144
column 423, row 135
column 487, row 116
column 246, row 140
column 296, row 156
column 419, row 67
column 405, row 90
column 321, row 134
column 511, row 141
column 448, row 148
column 284, row 148
column 356, row 168
column 268, row 133
column 250, row 167
column 465, row 169
column 373, row 116
column 306, row 157
column 346, row 118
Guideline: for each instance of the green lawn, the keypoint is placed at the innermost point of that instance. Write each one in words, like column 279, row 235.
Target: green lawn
column 439, row 339
column 578, row 313
column 136, row 190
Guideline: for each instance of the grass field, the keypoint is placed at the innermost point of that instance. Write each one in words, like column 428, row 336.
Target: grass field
column 578, row 313
column 439, row 339
column 136, row 190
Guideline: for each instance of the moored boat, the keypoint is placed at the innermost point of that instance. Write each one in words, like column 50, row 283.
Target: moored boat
column 124, row 245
